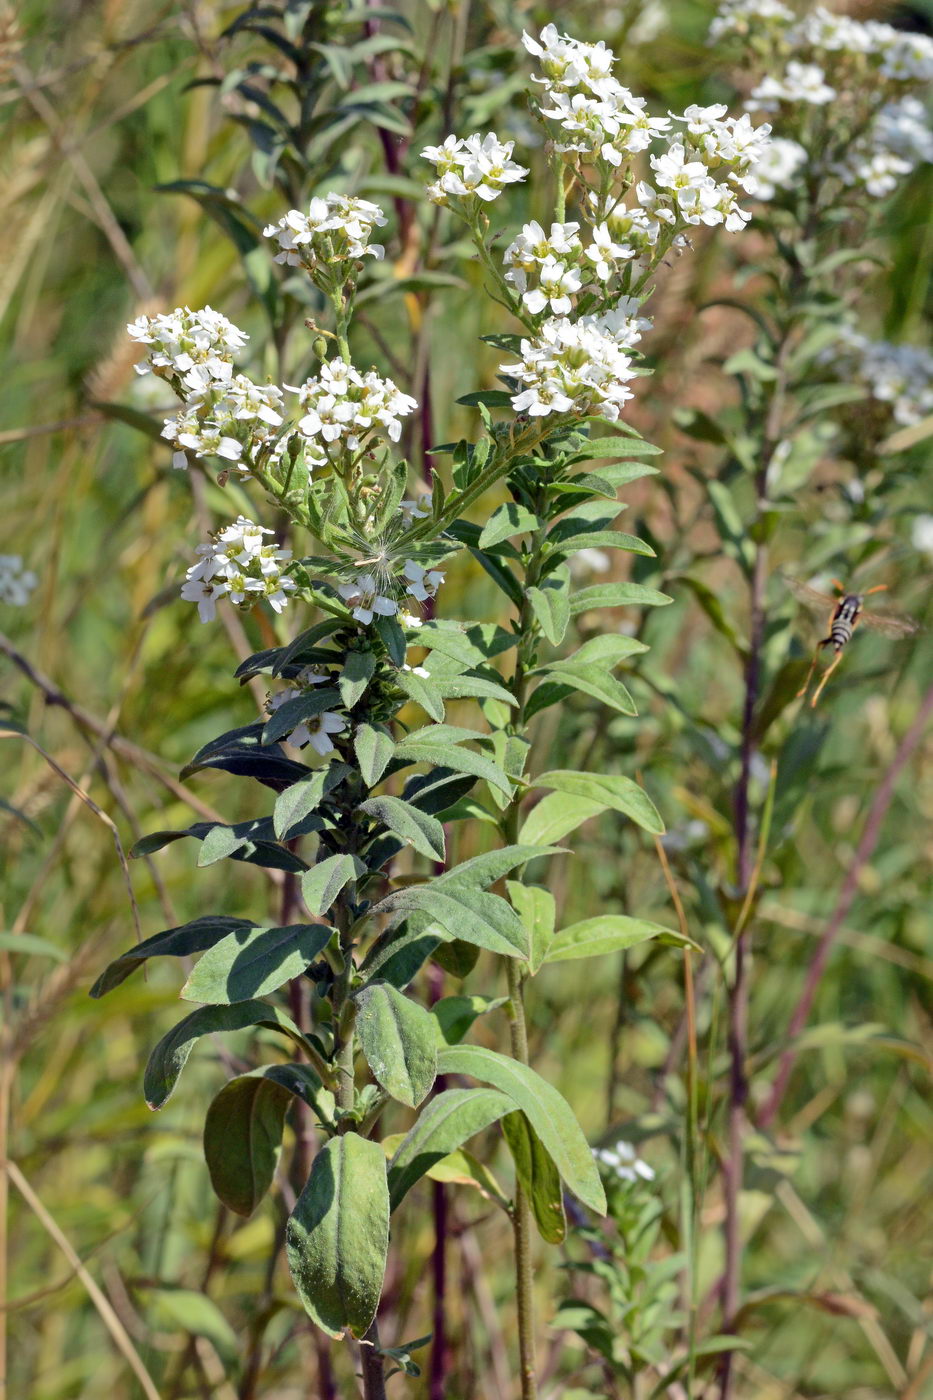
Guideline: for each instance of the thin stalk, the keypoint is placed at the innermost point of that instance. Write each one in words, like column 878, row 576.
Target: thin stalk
column 521, row 1215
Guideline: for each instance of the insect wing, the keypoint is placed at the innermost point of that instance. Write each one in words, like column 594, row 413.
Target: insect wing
column 811, row 596
column 889, row 625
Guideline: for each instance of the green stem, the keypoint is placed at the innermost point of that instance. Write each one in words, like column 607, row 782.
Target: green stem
column 521, row 1214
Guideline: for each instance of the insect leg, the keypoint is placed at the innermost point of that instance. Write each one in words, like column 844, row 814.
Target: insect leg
column 806, row 685
column 878, row 588
column 826, row 675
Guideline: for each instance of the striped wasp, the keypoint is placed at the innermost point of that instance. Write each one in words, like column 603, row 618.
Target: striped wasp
column 845, row 613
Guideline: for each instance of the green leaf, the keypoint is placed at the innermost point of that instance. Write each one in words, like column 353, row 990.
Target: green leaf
column 611, row 790
column 455, row 956
column 466, row 913
column 455, row 1015
column 186, row 1310
column 601, row 539
column 374, row 747
column 546, row 1110
column 252, row 962
column 609, row 933
column 301, row 799
column 486, row 869
column 392, row 638
column 594, row 680
column 415, row 828
column 510, row 519
column 423, row 692
column 180, row 942
column 444, row 754
column 538, row 1175
column 537, row 909
column 460, row 686
column 617, row 447
column 321, row 885
column 243, row 1131
column 616, row 595
column 170, row 1056
column 33, row 945
column 551, row 605
column 355, row 677
column 399, row 1041
column 447, row 1122
column 337, row 1236
column 299, row 709
column 557, row 814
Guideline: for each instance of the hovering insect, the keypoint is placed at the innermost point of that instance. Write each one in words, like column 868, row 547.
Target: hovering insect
column 845, row 612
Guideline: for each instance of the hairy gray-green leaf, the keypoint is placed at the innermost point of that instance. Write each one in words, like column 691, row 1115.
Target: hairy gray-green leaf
column 321, row 885
column 338, row 1235
column 416, row 828
column 556, row 815
column 538, row 1175
column 301, row 799
column 445, row 754
column 253, row 962
column 593, row 679
column 468, row 914
column 510, row 519
column 180, row 942
column 445, row 1124
column 355, row 677
column 374, row 747
column 609, row 933
column 170, row 1056
column 399, row 1041
column 616, row 595
column 537, row 909
column 546, row 1110
column 551, row 605
column 611, row 790
column 243, row 1131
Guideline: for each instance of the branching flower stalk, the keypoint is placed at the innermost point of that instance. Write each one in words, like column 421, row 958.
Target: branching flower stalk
column 360, row 832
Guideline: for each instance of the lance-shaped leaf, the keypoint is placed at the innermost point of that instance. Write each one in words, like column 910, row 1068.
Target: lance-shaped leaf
column 255, row 961
column 537, row 909
column 556, row 815
column 321, row 885
column 399, row 1041
column 412, row 826
column 468, row 914
column 592, row 679
column 170, row 1056
column 486, row 869
column 551, row 605
column 300, row 708
column 338, row 1235
column 243, row 1131
column 447, row 1122
column 609, row 933
column 510, row 519
column 355, row 677
column 616, row 595
column 180, row 942
column 374, row 747
column 602, row 539
column 610, row 790
column 546, row 1110
column 540, row 1179
column 442, row 750
column 298, row 802
column 455, row 1015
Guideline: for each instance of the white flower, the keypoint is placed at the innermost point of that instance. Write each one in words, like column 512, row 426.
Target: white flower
column 568, row 63
column 922, row 534
column 416, row 510
column 673, row 171
column 345, row 407
column 319, row 728
column 308, row 731
column 898, row 375
column 479, row 165
column 16, row 582
column 778, row 166
column 364, row 599
column 604, row 253
column 422, row 584
column 802, row 82
column 571, row 367
column 557, row 283
column 336, row 228
column 749, row 16
column 623, row 1162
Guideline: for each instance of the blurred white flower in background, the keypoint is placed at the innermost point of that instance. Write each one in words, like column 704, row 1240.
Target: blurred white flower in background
column 16, row 582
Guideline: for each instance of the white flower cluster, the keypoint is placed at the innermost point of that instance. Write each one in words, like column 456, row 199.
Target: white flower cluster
column 223, row 412
column 337, row 228
column 868, row 73
column 480, row 166
column 364, row 599
column 623, row 1162
column 16, row 582
column 898, row 375
column 707, row 154
column 574, row 366
column 238, row 564
column 346, row 407
column 922, row 534
column 317, row 729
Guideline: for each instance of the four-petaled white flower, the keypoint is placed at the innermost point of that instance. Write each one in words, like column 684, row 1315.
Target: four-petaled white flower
column 422, row 584
column 478, row 165
column 16, row 582
column 365, row 601
column 623, row 1162
column 241, row 565
column 336, row 228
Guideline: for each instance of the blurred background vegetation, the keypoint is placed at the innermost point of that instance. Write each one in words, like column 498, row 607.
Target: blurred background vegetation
column 102, row 114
